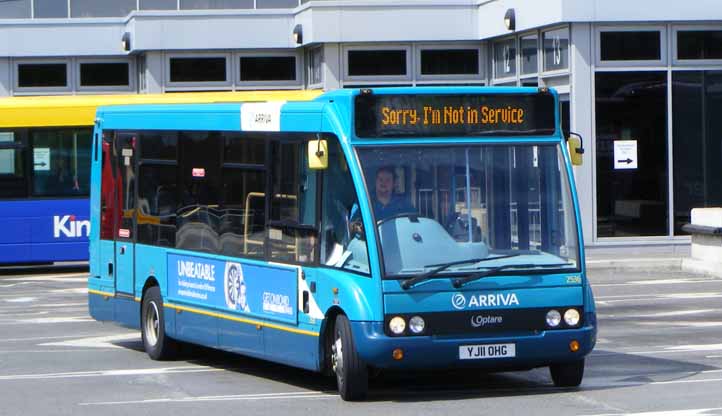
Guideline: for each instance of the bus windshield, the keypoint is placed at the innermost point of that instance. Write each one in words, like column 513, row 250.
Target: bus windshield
column 471, row 208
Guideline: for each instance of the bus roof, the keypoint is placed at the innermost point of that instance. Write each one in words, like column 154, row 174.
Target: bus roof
column 517, row 112
column 79, row 110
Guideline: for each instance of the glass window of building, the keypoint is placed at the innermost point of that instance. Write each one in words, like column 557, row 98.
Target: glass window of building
column 101, row 8
column 198, row 69
column 42, row 75
column 276, row 4
column 50, row 9
column 12, row 161
column 15, row 9
column 631, row 112
column 216, row 4
column 505, row 58
column 61, row 162
column 699, row 44
column 105, row 74
column 158, row 4
column 267, row 68
column 556, row 49
column 529, row 61
column 449, row 62
column 377, row 62
column 697, row 128
column 315, row 66
column 631, row 45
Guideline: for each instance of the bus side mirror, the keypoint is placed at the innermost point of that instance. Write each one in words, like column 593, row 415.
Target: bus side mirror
column 576, row 149
column 318, row 154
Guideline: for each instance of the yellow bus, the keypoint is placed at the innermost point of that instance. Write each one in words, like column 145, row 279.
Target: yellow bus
column 45, row 146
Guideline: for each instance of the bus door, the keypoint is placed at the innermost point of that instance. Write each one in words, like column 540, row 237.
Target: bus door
column 125, row 155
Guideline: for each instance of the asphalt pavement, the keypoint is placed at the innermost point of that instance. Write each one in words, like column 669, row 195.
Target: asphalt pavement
column 659, row 353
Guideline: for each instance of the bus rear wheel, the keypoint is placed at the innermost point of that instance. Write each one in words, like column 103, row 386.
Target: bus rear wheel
column 351, row 372
column 152, row 327
column 567, row 374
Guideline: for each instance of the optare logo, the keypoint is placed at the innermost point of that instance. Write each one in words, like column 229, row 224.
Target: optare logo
column 481, row 320
column 458, row 301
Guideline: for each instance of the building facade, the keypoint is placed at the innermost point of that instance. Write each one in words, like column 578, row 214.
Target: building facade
column 641, row 84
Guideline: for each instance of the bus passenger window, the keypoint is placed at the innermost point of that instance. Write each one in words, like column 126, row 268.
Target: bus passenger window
column 157, row 189
column 12, row 172
column 61, row 162
column 343, row 244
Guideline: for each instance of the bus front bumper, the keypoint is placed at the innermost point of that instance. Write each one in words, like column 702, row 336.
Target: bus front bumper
column 425, row 352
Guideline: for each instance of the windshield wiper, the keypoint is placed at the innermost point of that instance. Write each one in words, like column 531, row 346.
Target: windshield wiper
column 412, row 281
column 476, row 276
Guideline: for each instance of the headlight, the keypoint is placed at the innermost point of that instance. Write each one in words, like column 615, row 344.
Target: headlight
column 397, row 325
column 417, row 324
column 571, row 317
column 553, row 318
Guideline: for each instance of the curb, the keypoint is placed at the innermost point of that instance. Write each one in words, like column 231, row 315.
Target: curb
column 641, row 263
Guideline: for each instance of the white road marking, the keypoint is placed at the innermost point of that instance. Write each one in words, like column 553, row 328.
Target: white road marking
column 257, row 396
column 57, row 320
column 658, row 282
column 672, row 296
column 691, row 324
column 68, row 277
column 660, row 314
column 21, row 300
column 48, row 338
column 15, row 284
column 111, row 373
column 668, row 350
column 71, row 290
column 706, row 380
column 94, row 342
column 684, row 412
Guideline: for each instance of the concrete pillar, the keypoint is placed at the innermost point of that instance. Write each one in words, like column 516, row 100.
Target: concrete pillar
column 154, row 72
column 582, row 119
column 332, row 69
column 5, row 78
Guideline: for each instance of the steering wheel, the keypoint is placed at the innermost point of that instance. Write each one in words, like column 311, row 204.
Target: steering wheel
column 413, row 216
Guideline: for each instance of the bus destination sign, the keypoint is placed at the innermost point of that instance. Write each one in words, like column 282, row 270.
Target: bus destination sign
column 426, row 115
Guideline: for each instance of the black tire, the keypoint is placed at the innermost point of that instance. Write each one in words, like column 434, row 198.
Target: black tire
column 351, row 372
column 152, row 327
column 567, row 374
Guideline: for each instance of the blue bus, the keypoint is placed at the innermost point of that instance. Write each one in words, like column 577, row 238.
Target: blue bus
column 45, row 145
column 390, row 228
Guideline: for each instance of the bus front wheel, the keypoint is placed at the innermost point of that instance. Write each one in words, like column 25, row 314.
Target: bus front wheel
column 351, row 372
column 567, row 374
column 152, row 328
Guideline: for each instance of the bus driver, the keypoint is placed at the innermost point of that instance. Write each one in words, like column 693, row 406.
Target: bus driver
column 385, row 203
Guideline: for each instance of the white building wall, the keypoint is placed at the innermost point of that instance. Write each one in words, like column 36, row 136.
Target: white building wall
column 581, row 119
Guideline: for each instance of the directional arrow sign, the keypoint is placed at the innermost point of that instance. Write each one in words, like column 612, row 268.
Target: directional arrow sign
column 41, row 158
column 625, row 154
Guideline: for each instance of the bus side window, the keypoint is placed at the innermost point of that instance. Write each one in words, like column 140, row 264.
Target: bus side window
column 342, row 243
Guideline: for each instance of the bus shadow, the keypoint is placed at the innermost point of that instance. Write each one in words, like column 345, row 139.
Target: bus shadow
column 605, row 370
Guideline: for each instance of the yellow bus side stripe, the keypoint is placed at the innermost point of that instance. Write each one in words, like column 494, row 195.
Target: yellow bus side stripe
column 220, row 315
column 242, row 320
column 98, row 292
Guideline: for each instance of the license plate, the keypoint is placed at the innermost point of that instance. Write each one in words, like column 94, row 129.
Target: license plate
column 485, row 351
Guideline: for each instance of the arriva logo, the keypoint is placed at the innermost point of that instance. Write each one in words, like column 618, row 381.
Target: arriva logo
column 70, row 227
column 459, row 301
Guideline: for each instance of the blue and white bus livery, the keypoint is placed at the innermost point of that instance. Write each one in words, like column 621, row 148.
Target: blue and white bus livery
column 390, row 228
